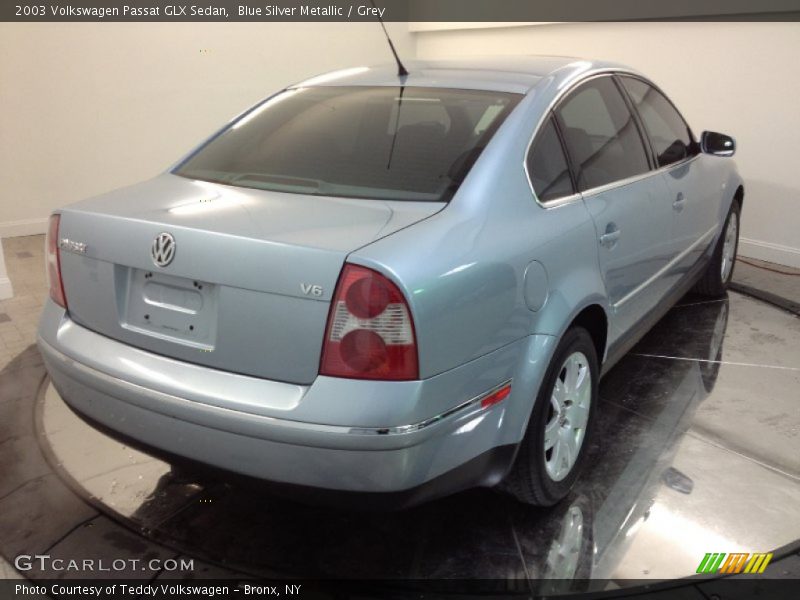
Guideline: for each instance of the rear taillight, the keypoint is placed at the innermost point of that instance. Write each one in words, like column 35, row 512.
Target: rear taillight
column 54, row 263
column 370, row 334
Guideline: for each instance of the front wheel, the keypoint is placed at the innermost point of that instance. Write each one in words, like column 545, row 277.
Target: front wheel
column 552, row 453
column 720, row 269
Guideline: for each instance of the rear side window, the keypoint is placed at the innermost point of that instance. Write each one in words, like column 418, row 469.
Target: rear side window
column 386, row 143
column 671, row 137
column 601, row 135
column 547, row 165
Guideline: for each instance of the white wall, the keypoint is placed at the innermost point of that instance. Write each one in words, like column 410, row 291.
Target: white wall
column 738, row 78
column 88, row 107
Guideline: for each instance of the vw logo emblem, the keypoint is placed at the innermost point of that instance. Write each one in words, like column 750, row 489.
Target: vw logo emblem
column 163, row 249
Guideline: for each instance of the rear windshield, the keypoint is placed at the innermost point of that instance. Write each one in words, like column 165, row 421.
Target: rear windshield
column 388, row 143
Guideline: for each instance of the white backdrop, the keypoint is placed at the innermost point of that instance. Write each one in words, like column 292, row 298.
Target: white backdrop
column 737, row 78
column 89, row 107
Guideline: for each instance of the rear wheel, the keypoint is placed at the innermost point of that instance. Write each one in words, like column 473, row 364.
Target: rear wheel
column 720, row 270
column 553, row 450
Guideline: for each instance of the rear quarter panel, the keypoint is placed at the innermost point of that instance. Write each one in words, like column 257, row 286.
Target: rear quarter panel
column 463, row 269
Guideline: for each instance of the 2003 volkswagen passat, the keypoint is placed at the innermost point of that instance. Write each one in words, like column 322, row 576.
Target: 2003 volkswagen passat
column 395, row 285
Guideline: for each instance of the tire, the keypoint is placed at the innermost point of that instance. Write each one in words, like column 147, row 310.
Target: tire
column 539, row 476
column 715, row 280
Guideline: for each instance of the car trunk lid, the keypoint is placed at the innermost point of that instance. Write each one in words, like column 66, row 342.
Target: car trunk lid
column 249, row 282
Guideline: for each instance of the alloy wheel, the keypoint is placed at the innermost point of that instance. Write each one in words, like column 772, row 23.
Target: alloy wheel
column 729, row 247
column 568, row 416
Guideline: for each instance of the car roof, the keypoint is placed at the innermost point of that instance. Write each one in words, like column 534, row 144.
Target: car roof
column 517, row 74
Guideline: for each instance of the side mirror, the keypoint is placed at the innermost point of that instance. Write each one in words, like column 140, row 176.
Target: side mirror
column 717, row 144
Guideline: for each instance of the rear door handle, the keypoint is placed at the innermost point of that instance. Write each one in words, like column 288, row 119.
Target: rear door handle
column 680, row 200
column 610, row 238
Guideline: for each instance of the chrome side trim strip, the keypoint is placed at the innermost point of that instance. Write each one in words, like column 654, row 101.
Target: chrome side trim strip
column 634, row 178
column 404, row 429
column 617, row 184
column 555, row 203
column 665, row 268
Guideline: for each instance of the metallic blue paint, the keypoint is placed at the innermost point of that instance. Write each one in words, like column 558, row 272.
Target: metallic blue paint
column 245, row 394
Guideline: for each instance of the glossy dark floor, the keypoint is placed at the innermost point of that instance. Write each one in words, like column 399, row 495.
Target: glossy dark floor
column 698, row 450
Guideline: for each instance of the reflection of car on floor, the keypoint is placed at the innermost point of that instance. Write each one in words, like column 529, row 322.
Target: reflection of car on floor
column 601, row 518
column 688, row 384
column 390, row 284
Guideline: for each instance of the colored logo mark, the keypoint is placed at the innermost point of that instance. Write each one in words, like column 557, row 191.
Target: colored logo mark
column 719, row 562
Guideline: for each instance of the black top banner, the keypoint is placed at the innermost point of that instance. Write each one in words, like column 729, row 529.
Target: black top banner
column 400, row 10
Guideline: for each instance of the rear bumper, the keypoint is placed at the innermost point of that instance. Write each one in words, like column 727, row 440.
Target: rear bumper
column 215, row 418
column 485, row 469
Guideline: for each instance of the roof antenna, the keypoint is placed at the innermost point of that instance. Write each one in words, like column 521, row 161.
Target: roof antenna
column 401, row 70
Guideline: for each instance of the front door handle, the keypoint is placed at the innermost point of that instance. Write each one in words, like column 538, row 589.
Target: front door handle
column 680, row 201
column 610, row 237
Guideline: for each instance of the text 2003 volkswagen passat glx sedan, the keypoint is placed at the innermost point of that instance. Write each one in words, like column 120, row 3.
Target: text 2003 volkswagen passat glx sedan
column 400, row 286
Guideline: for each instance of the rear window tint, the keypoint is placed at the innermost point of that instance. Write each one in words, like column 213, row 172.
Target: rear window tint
column 389, row 143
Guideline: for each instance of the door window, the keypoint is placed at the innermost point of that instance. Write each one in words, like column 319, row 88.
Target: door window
column 601, row 134
column 671, row 136
column 547, row 165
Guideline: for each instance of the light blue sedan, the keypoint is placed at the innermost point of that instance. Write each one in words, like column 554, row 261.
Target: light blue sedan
column 398, row 286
